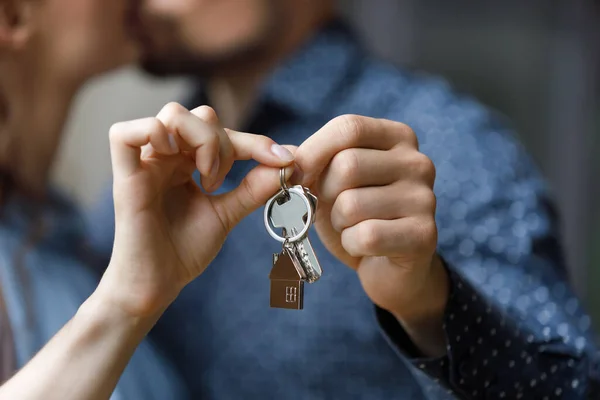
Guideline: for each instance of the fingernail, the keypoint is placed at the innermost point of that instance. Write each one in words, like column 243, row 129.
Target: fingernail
column 173, row 144
column 281, row 152
column 214, row 169
column 146, row 150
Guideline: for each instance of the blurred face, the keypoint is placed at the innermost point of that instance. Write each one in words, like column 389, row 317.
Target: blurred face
column 86, row 37
column 55, row 47
column 199, row 36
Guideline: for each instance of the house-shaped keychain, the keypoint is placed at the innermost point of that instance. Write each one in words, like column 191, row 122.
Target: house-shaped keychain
column 287, row 281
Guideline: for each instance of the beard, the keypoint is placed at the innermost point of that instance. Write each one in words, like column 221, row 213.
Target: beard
column 179, row 61
column 165, row 53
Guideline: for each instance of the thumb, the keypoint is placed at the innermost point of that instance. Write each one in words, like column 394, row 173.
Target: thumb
column 258, row 186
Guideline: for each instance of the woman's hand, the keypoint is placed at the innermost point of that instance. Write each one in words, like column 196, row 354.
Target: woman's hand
column 167, row 229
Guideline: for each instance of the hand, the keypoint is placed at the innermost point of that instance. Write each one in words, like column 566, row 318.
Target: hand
column 168, row 230
column 377, row 212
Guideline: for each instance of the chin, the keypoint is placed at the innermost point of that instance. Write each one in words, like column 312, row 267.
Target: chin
column 174, row 67
column 184, row 63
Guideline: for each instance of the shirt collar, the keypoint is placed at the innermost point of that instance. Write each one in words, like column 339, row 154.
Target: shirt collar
column 305, row 82
column 54, row 220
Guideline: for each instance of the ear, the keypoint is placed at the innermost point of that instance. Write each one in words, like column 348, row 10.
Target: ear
column 15, row 22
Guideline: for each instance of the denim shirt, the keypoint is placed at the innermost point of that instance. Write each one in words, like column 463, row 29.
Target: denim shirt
column 45, row 277
column 513, row 326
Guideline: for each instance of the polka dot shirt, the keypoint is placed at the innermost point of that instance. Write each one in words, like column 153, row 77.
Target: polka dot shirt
column 514, row 329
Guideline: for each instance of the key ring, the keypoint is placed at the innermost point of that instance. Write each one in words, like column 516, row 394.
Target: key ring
column 282, row 183
column 302, row 234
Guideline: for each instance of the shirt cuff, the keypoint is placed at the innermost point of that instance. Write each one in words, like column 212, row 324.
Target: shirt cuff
column 489, row 354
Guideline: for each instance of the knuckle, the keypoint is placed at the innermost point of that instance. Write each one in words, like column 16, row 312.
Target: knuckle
column 427, row 201
column 429, row 171
column 116, row 131
column 207, row 114
column 349, row 204
column 350, row 126
column 423, row 167
column 409, row 136
column 405, row 134
column 348, row 208
column 346, row 164
column 172, row 109
column 424, row 233
column 368, row 237
column 155, row 126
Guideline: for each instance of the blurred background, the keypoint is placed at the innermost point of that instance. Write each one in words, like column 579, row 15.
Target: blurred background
column 536, row 61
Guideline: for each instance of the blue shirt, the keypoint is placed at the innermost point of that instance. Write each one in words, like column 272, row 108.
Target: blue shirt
column 46, row 274
column 514, row 327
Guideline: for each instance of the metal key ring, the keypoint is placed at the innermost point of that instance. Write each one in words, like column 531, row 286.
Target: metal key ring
column 302, row 234
column 284, row 186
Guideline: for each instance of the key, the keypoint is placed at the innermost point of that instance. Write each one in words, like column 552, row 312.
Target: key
column 303, row 251
column 313, row 201
column 290, row 214
column 287, row 281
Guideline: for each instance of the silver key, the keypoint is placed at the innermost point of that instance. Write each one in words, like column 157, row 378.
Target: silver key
column 308, row 260
column 291, row 213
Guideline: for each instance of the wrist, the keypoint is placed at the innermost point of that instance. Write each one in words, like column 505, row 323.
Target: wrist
column 424, row 320
column 100, row 314
column 138, row 297
column 430, row 299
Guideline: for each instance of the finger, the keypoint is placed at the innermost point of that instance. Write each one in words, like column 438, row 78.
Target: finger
column 127, row 139
column 291, row 148
column 345, row 132
column 354, row 168
column 146, row 151
column 255, row 189
column 261, row 148
column 298, row 175
column 201, row 136
column 399, row 200
column 242, row 146
column 390, row 238
column 225, row 159
column 200, row 129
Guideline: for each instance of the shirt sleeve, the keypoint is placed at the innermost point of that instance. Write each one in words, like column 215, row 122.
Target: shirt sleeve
column 514, row 327
column 492, row 356
column 100, row 230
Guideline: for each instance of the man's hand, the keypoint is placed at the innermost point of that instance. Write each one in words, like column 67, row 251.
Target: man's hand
column 377, row 215
column 167, row 229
